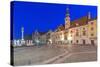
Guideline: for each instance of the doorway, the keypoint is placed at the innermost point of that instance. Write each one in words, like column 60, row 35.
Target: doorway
column 92, row 42
column 84, row 42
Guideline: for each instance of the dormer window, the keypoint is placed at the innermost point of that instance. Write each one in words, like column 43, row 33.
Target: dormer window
column 91, row 23
column 77, row 24
column 71, row 31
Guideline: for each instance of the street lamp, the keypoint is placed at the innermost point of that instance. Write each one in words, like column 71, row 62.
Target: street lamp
column 37, row 41
column 50, row 41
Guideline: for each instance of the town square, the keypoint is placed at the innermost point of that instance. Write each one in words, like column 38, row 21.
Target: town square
column 65, row 42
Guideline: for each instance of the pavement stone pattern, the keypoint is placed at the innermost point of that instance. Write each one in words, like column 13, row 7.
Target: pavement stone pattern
column 34, row 55
column 83, row 57
column 38, row 55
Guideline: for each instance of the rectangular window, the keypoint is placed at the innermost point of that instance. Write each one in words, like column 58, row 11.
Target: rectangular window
column 83, row 28
column 65, row 37
column 83, row 41
column 84, row 33
column 71, row 41
column 92, row 42
column 77, row 34
column 91, row 28
column 71, row 35
column 76, row 41
column 92, row 34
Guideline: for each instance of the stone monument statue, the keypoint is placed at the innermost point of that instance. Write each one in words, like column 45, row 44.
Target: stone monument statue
column 22, row 36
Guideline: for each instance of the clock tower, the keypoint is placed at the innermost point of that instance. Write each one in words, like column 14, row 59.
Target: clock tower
column 67, row 19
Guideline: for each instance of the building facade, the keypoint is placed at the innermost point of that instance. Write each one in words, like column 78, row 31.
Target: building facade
column 41, row 38
column 80, row 31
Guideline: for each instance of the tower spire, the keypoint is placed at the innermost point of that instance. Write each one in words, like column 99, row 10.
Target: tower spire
column 67, row 19
column 89, row 15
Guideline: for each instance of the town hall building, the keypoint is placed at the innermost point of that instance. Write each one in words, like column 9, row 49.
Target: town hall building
column 80, row 31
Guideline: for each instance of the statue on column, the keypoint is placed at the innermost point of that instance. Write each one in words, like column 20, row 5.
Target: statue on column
column 22, row 36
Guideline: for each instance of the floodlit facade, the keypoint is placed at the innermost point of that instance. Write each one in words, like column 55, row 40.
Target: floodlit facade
column 80, row 31
column 41, row 38
column 92, row 29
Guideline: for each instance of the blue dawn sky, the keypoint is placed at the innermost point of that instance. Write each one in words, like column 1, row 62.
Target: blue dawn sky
column 44, row 16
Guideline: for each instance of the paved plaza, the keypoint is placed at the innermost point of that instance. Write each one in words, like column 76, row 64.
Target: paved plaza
column 81, row 57
column 34, row 55
column 38, row 55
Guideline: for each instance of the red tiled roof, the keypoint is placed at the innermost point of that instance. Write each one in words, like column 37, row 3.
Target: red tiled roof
column 79, row 22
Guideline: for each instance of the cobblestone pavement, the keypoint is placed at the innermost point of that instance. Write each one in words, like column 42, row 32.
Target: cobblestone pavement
column 81, row 57
column 77, row 54
column 81, row 48
column 34, row 55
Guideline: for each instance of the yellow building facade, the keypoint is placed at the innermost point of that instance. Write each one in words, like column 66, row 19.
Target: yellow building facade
column 92, row 29
column 80, row 31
